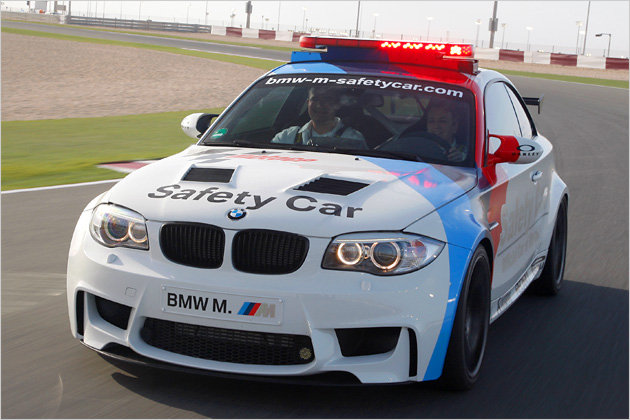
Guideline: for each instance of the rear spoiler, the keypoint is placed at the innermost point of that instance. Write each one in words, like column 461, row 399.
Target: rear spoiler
column 533, row 101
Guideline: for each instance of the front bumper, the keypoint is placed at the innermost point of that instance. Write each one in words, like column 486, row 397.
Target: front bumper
column 315, row 303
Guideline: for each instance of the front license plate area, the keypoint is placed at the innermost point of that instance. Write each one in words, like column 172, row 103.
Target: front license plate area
column 229, row 307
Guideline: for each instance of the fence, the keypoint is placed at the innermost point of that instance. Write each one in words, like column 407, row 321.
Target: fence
column 147, row 25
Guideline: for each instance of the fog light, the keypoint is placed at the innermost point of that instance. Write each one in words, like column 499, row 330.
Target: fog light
column 305, row 353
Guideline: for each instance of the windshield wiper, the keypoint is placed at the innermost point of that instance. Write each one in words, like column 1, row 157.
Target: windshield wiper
column 257, row 145
column 380, row 153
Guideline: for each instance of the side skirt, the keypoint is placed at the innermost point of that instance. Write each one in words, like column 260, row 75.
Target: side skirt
column 500, row 305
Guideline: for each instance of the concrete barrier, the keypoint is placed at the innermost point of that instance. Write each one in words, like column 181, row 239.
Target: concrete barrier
column 218, row 30
column 33, row 17
column 250, row 33
column 591, row 62
column 230, row 31
column 617, row 63
column 266, row 34
column 541, row 57
column 564, row 59
column 284, row 36
column 487, row 54
column 511, row 55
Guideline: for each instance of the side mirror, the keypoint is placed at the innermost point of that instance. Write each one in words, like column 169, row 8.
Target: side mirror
column 194, row 125
column 512, row 149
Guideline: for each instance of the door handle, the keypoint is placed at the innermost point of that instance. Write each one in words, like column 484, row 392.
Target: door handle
column 536, row 176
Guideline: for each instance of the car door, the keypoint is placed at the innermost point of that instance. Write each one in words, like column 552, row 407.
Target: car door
column 540, row 173
column 511, row 199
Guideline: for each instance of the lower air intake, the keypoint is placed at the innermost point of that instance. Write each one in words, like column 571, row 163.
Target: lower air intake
column 224, row 345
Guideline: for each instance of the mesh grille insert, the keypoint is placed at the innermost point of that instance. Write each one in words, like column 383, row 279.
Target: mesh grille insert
column 192, row 244
column 268, row 251
column 225, row 345
column 332, row 186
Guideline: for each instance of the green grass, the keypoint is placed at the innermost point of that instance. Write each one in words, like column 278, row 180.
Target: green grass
column 122, row 31
column 575, row 79
column 52, row 152
column 251, row 62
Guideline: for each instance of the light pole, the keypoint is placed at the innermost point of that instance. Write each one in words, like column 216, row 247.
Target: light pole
column 588, row 12
column 205, row 22
column 278, row 28
column 374, row 28
column 430, row 18
column 266, row 26
column 232, row 15
column 579, row 24
column 304, row 19
column 529, row 31
column 187, row 12
column 356, row 31
column 503, row 25
column 478, row 23
column 609, row 38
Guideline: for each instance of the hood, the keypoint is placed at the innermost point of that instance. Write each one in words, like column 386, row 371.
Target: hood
column 310, row 193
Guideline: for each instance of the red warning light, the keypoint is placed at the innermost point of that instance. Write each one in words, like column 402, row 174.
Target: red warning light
column 458, row 50
column 404, row 51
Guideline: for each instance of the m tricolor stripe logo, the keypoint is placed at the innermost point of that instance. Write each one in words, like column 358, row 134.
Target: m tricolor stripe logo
column 258, row 309
column 249, row 308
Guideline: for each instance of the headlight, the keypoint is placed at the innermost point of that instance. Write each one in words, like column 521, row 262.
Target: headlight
column 114, row 226
column 381, row 253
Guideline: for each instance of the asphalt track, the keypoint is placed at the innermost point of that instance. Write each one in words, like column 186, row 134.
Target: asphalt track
column 155, row 40
column 558, row 357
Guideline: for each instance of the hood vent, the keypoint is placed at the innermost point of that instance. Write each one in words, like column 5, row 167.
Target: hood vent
column 332, row 186
column 209, row 175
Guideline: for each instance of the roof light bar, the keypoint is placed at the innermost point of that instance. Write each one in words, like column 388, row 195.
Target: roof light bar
column 440, row 49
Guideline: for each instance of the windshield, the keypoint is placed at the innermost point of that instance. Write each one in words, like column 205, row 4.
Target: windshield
column 374, row 116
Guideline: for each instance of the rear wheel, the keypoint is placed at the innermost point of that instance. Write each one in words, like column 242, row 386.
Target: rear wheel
column 550, row 281
column 470, row 328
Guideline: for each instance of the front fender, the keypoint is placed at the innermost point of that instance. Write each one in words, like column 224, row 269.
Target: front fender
column 459, row 225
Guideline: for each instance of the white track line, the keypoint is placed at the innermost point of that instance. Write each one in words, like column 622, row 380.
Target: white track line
column 54, row 187
column 235, row 55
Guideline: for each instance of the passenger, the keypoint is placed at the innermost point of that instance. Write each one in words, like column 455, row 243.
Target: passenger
column 439, row 136
column 323, row 104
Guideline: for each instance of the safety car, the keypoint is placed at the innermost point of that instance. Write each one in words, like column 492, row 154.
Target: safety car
column 375, row 249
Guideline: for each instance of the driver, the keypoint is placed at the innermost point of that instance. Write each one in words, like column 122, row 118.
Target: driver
column 323, row 103
column 442, row 123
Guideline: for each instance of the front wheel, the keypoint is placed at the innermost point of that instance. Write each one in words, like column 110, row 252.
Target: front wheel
column 470, row 328
column 550, row 281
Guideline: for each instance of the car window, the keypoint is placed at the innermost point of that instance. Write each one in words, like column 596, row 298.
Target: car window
column 500, row 115
column 523, row 120
column 381, row 115
column 260, row 111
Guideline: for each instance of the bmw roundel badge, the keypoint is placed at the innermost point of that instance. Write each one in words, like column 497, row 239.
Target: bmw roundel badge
column 236, row 214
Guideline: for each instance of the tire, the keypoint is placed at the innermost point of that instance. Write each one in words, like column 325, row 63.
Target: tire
column 550, row 281
column 470, row 329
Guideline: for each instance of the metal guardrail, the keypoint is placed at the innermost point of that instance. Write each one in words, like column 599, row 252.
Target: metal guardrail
column 137, row 24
